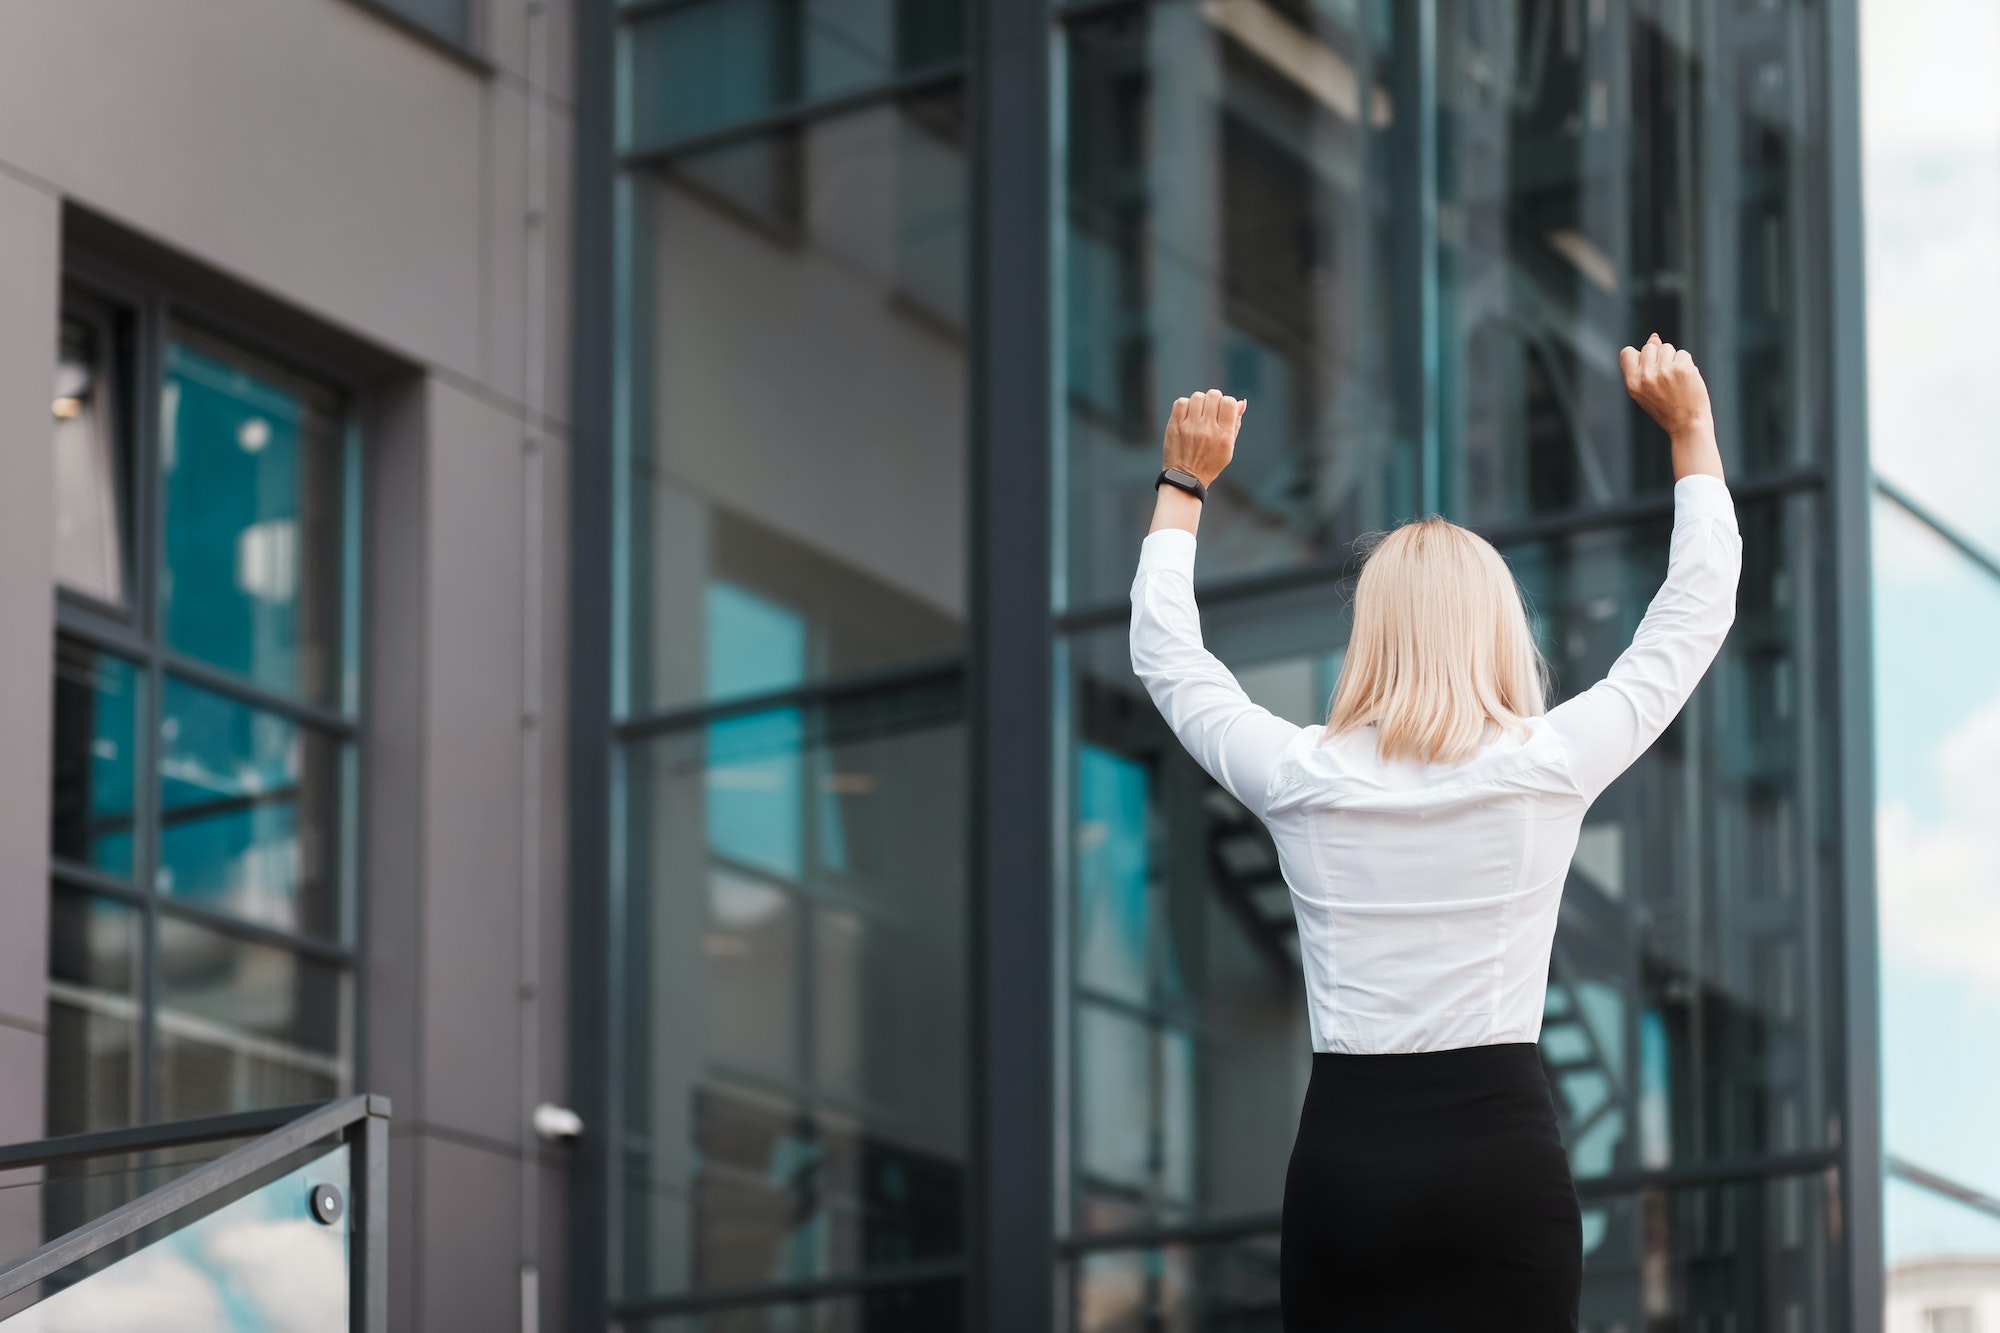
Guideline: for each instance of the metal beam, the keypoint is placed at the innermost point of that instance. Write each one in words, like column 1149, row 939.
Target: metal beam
column 1010, row 672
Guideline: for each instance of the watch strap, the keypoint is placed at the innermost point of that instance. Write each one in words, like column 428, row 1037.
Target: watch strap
column 1180, row 480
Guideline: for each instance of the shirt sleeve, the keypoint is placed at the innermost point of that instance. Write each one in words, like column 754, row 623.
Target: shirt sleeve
column 1236, row 741
column 1610, row 725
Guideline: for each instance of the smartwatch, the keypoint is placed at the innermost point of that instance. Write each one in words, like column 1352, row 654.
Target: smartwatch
column 1185, row 481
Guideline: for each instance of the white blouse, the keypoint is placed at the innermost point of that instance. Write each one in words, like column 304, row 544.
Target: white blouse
column 1426, row 895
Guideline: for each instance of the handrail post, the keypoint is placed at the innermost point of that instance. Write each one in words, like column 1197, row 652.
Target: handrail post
column 368, row 1256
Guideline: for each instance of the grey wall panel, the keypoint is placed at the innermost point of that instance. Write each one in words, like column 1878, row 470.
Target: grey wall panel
column 472, row 792
column 304, row 145
column 471, row 1220
column 396, row 597
column 507, row 32
column 30, row 227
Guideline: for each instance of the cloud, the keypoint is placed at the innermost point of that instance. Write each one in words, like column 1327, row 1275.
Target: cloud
column 294, row 1272
column 153, row 1291
column 1939, row 875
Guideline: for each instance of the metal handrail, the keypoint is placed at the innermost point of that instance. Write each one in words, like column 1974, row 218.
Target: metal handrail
column 362, row 1120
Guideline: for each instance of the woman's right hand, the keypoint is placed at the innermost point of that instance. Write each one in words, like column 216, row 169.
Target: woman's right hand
column 1663, row 379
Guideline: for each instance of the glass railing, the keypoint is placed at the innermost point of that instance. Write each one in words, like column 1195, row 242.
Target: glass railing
column 191, row 1226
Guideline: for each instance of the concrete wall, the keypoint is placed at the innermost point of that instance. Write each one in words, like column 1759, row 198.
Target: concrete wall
column 310, row 155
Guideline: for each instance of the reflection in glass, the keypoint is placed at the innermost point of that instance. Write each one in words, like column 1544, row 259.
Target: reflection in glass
column 245, row 1025
column 778, row 537
column 1189, row 1043
column 1755, row 1255
column 250, row 474
column 450, row 19
column 1937, row 742
column 247, row 820
column 262, row 1261
column 92, row 460
column 698, row 68
column 93, row 1062
column 795, row 918
column 1230, row 167
column 96, row 745
column 1689, row 1003
column 1189, row 1289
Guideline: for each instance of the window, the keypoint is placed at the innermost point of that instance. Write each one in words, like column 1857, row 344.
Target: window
column 205, row 691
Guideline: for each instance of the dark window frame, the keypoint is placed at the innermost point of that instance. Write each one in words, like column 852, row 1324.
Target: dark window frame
column 114, row 292
column 467, row 48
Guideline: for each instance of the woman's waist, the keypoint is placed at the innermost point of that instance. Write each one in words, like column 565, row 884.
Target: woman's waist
column 1487, row 1084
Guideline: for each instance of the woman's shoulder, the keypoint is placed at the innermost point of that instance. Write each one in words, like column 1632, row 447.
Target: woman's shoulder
column 1347, row 768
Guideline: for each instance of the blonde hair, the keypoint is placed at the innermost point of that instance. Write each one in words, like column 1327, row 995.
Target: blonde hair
column 1441, row 649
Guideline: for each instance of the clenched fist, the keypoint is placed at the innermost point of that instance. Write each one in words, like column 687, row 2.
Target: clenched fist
column 1663, row 380
column 1201, row 433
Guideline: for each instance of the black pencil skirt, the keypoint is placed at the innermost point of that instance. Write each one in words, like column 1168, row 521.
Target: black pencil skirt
column 1430, row 1192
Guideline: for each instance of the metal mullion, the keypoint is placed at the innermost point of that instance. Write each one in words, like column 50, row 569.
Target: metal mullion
column 89, row 879
column 931, row 78
column 1250, row 587
column 216, row 681
column 149, row 526
column 887, row 680
column 312, row 946
column 87, row 625
column 792, row 1293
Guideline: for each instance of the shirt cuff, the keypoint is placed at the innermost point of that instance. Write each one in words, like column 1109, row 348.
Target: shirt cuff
column 1703, row 496
column 1168, row 549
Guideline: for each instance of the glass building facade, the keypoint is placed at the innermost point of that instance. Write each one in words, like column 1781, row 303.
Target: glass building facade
column 937, row 984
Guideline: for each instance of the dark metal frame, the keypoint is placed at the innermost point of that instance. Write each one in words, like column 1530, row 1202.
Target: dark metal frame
column 362, row 1122
column 132, row 632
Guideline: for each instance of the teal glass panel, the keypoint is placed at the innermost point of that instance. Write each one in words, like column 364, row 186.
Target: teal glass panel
column 1114, row 888
column 251, row 480
column 794, row 927
column 1937, row 773
column 93, row 1022
column 248, row 821
column 96, row 758
column 263, row 1263
column 703, row 67
column 245, row 1025
column 773, row 541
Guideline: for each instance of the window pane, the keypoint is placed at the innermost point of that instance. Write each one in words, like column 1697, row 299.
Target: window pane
column 1229, row 173
column 250, row 470
column 701, row 67
column 92, row 458
column 245, row 1025
column 795, row 1023
column 1763, row 1255
column 96, row 744
column 248, row 821
column 1246, row 206
column 1188, row 1289
column 778, row 538
column 937, row 1307
column 1937, row 739
column 1942, row 1254
column 93, row 1054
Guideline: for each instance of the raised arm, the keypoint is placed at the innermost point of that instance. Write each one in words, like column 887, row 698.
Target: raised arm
column 1610, row 725
column 1236, row 741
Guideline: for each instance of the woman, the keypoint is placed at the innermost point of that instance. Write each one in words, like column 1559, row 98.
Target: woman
column 1426, row 831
